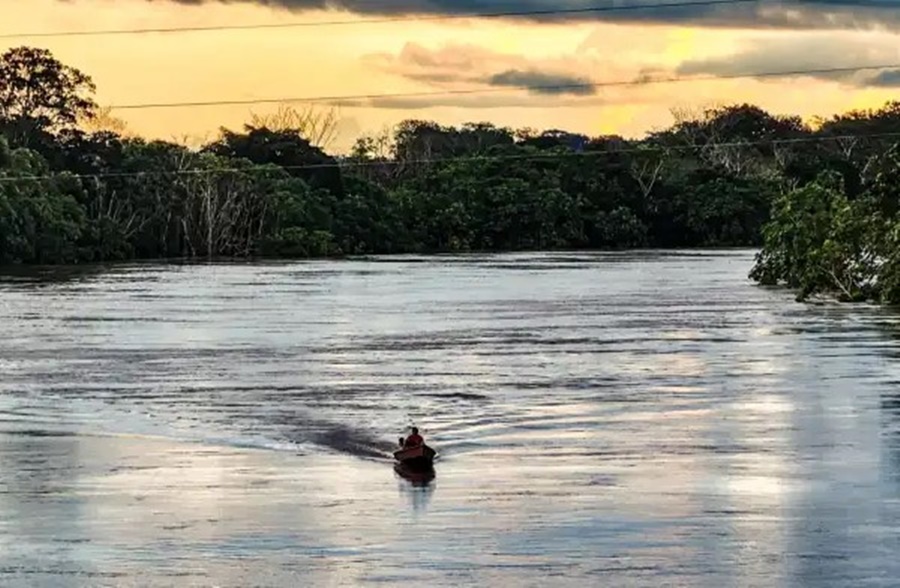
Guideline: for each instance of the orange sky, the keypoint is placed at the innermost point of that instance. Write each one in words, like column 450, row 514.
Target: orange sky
column 412, row 57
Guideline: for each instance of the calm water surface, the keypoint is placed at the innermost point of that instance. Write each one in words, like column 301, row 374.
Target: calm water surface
column 645, row 419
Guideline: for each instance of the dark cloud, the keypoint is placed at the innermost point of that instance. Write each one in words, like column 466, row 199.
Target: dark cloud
column 886, row 79
column 538, row 82
column 805, row 14
column 473, row 66
column 806, row 54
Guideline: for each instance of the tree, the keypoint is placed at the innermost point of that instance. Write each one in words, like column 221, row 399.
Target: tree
column 370, row 158
column 39, row 221
column 366, row 219
column 102, row 120
column 5, row 152
column 319, row 127
column 818, row 241
column 39, row 95
column 284, row 148
column 556, row 138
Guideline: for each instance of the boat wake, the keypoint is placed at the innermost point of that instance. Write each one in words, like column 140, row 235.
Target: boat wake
column 332, row 437
column 359, row 443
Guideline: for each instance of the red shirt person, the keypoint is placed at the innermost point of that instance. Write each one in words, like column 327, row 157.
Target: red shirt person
column 414, row 440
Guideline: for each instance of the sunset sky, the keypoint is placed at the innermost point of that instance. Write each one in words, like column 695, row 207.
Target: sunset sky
column 498, row 55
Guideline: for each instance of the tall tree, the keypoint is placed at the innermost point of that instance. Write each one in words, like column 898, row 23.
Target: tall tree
column 40, row 96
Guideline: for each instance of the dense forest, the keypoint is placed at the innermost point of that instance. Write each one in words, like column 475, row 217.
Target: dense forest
column 821, row 198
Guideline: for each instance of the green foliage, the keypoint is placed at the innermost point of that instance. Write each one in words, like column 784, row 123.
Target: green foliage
column 889, row 271
column 39, row 222
column 367, row 220
column 284, row 148
column 298, row 221
column 619, row 227
column 819, row 241
column 297, row 242
column 720, row 210
column 825, row 239
column 5, row 153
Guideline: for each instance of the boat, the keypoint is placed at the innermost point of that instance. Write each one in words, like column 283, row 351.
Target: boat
column 420, row 457
column 416, row 477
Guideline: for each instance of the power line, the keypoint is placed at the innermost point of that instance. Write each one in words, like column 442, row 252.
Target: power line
column 373, row 21
column 545, row 88
column 438, row 160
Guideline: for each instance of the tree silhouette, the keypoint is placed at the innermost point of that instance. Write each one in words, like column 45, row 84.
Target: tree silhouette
column 40, row 96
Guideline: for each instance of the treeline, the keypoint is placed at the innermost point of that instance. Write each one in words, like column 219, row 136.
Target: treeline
column 75, row 187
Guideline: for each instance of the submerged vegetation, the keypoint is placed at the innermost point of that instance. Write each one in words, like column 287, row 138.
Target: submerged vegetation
column 823, row 239
column 76, row 186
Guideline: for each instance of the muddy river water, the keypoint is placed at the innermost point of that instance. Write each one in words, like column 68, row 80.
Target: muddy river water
column 622, row 419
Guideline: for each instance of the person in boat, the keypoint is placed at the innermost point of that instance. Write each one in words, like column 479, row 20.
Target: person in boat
column 414, row 440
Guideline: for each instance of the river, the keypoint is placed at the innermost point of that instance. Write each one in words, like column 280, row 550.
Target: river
column 621, row 419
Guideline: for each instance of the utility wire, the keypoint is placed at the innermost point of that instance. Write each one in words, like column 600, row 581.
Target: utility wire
column 372, row 21
column 545, row 88
column 430, row 161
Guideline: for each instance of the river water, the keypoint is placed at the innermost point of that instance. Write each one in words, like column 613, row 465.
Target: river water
column 634, row 419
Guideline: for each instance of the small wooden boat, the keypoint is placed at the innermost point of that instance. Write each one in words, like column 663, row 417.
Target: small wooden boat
column 417, row 477
column 420, row 457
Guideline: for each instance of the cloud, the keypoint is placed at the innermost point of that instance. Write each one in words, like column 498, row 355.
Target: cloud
column 810, row 14
column 449, row 64
column 809, row 52
column 539, row 82
column 472, row 66
column 889, row 78
column 469, row 101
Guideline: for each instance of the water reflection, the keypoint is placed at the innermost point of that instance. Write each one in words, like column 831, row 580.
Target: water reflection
column 416, row 485
column 415, row 476
column 40, row 276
